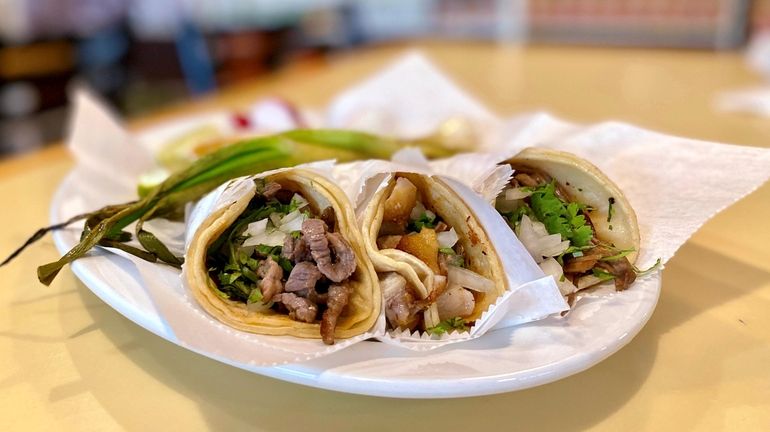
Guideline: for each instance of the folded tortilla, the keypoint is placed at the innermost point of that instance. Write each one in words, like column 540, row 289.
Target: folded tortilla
column 481, row 256
column 586, row 184
column 364, row 304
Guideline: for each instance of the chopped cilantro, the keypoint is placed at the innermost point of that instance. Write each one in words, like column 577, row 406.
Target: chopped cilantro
column 274, row 252
column 424, row 221
column 515, row 216
column 238, row 277
column 560, row 217
column 235, row 269
column 617, row 256
column 255, row 296
column 448, row 325
column 447, row 250
column 602, row 275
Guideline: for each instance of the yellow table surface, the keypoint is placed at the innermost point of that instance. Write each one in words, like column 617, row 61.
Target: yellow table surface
column 69, row 362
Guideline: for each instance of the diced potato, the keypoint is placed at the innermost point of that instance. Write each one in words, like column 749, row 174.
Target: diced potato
column 423, row 245
column 399, row 204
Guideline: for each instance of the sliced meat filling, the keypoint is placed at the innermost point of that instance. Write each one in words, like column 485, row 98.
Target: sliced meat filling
column 338, row 297
column 300, row 308
column 303, row 278
column 321, row 246
column 271, row 274
column 296, row 250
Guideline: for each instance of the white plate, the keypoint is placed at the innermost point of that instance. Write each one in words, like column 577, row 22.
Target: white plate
column 501, row 361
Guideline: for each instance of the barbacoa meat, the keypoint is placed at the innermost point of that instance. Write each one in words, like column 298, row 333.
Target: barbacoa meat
column 338, row 298
column 271, row 274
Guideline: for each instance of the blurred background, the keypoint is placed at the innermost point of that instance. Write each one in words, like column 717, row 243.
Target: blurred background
column 142, row 54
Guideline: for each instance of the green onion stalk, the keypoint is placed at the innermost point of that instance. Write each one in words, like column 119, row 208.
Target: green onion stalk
column 106, row 226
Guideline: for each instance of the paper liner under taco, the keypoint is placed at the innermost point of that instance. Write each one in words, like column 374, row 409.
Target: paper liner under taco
column 364, row 305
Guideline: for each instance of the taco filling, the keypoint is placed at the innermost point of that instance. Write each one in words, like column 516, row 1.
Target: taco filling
column 411, row 225
column 557, row 231
column 283, row 256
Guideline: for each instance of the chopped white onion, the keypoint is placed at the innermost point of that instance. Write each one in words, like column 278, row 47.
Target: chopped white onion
column 469, row 279
column 292, row 222
column 551, row 267
column 517, row 193
column 275, row 218
column 299, row 200
column 290, row 217
column 430, row 214
column 447, row 239
column 417, row 211
column 256, row 228
column 537, row 241
column 267, row 238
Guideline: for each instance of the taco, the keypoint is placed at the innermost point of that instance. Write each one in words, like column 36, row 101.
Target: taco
column 574, row 221
column 285, row 259
column 437, row 268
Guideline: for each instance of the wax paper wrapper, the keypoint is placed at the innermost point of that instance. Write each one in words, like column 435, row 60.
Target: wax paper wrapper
column 530, row 294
